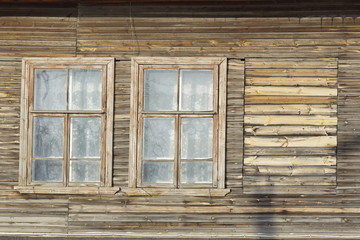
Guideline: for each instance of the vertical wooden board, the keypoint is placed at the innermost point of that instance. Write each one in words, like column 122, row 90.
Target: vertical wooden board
column 10, row 76
column 234, row 119
column 121, row 123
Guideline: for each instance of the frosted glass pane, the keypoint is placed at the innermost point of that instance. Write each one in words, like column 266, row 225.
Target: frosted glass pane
column 157, row 172
column 48, row 137
column 160, row 89
column 50, row 89
column 158, row 138
column 196, row 92
column 84, row 171
column 85, row 134
column 85, row 89
column 196, row 172
column 47, row 170
column 196, row 138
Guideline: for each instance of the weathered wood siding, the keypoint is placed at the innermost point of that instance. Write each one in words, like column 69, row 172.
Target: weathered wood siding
column 319, row 201
column 349, row 126
column 290, row 125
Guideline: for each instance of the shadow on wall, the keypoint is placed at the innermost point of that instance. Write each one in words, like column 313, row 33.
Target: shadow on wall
column 265, row 220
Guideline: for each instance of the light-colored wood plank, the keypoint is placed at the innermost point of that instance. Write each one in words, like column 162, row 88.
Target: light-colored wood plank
column 290, row 91
column 323, row 141
column 289, row 171
column 221, row 167
column 290, row 130
column 289, row 100
column 266, row 120
column 298, row 109
column 292, row 72
column 290, row 161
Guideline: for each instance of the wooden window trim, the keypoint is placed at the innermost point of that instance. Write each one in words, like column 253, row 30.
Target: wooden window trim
column 28, row 64
column 219, row 177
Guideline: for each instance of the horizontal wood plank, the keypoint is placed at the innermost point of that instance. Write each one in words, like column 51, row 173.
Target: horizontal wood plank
column 290, row 91
column 323, row 141
column 290, row 161
column 298, row 109
column 266, row 120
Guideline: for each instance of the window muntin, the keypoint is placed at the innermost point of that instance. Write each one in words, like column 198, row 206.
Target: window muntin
column 178, row 114
column 67, row 107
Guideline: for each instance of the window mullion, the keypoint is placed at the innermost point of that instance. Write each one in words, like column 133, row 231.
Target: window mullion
column 177, row 151
column 66, row 149
column 67, row 89
column 177, row 134
column 178, row 90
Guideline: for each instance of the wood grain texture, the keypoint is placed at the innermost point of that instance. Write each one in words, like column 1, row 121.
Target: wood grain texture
column 280, row 40
column 348, row 169
column 278, row 116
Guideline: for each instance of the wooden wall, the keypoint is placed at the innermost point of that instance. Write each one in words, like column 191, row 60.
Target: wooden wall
column 330, row 38
column 290, row 125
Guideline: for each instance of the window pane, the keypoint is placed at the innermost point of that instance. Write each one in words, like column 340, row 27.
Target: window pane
column 47, row 170
column 157, row 172
column 85, row 89
column 48, row 137
column 85, row 134
column 50, row 89
column 196, row 90
column 160, row 89
column 84, row 171
column 158, row 138
column 196, row 138
column 196, row 172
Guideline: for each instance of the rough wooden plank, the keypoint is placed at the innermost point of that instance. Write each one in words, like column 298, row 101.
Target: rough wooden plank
column 298, row 109
column 266, row 120
column 290, row 91
column 289, row 100
column 292, row 72
column 289, row 180
column 289, row 171
column 290, row 130
column 323, row 141
column 290, row 161
column 291, row 63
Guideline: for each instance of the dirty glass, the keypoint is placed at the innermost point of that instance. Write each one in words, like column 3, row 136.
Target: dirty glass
column 196, row 138
column 157, row 172
column 85, row 89
column 50, row 89
column 48, row 137
column 196, row 172
column 160, row 89
column 196, row 90
column 85, row 137
column 47, row 170
column 158, row 138
column 84, row 171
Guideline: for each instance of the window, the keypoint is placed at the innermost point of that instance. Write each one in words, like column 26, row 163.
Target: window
column 66, row 124
column 178, row 123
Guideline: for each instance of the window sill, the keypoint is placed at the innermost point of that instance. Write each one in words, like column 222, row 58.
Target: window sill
column 67, row 190
column 175, row 192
